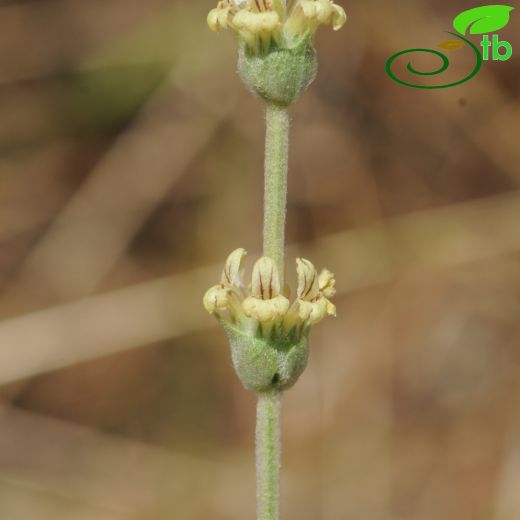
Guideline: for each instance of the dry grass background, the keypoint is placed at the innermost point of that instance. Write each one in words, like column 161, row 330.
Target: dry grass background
column 130, row 165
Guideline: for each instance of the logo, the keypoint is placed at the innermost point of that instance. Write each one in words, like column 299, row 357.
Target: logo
column 480, row 20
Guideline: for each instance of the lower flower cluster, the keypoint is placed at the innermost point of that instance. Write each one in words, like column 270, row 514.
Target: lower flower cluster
column 262, row 309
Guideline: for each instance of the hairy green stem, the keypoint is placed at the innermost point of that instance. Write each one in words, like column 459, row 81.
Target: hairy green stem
column 275, row 188
column 268, row 446
column 268, row 450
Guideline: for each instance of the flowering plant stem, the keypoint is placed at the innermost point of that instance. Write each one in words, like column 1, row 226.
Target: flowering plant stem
column 268, row 450
column 275, row 190
column 268, row 335
column 268, row 446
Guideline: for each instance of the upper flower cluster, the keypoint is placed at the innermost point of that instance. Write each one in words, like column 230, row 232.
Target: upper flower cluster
column 260, row 23
column 261, row 308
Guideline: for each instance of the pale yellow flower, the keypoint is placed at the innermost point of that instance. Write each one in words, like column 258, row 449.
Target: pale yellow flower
column 266, row 304
column 312, row 303
column 261, row 307
column 261, row 22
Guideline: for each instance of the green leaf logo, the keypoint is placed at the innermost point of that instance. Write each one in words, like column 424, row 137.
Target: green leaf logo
column 482, row 20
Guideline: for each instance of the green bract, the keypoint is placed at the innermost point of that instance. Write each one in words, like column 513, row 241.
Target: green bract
column 263, row 365
column 280, row 75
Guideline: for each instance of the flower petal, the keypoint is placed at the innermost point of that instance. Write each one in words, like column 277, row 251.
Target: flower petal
column 256, row 22
column 216, row 299
column 331, row 308
column 339, row 17
column 327, row 283
column 219, row 17
column 318, row 311
column 266, row 280
column 308, row 285
column 232, row 274
column 265, row 310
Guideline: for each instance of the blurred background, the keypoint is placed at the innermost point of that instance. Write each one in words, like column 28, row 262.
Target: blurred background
column 131, row 165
